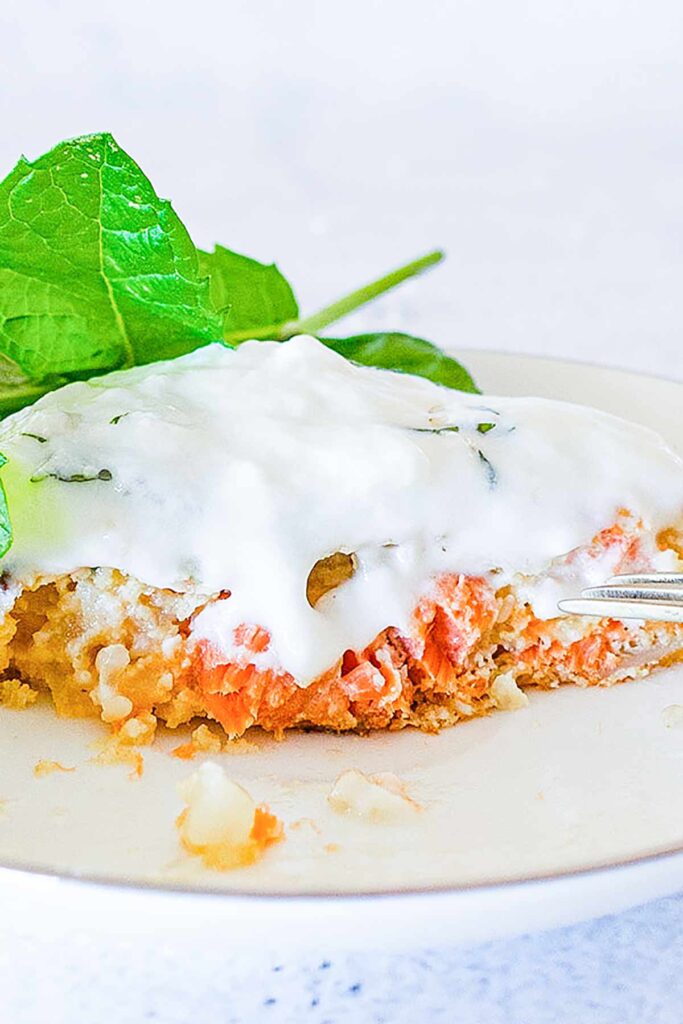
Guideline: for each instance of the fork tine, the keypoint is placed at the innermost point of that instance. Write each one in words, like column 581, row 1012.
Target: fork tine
column 640, row 593
column 616, row 608
column 673, row 579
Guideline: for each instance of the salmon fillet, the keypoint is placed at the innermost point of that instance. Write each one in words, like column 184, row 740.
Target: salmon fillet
column 103, row 644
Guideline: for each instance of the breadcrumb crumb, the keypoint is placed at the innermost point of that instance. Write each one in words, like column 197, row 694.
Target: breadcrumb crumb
column 203, row 741
column 114, row 751
column 16, row 695
column 138, row 731
column 42, row 768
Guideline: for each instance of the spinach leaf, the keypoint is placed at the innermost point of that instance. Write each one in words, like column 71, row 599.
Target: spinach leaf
column 396, row 351
column 251, row 296
column 96, row 272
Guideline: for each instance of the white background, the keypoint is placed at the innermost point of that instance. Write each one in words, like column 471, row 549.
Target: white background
column 540, row 144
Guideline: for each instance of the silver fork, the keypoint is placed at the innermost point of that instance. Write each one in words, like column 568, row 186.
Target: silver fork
column 657, row 597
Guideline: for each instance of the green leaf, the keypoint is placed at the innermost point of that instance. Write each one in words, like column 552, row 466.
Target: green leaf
column 96, row 272
column 403, row 352
column 5, row 522
column 249, row 294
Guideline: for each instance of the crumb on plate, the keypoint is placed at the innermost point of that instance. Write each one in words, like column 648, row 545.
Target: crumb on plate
column 304, row 825
column 221, row 823
column 381, row 797
column 117, row 750
column 672, row 716
column 42, row 768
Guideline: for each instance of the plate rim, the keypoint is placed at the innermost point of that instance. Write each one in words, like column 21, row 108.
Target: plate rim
column 567, row 361
column 9, row 868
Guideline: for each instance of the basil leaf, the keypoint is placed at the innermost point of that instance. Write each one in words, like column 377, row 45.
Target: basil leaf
column 250, row 295
column 5, row 522
column 96, row 272
column 402, row 352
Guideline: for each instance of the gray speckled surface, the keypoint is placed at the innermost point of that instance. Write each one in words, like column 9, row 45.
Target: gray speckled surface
column 618, row 970
column 540, row 144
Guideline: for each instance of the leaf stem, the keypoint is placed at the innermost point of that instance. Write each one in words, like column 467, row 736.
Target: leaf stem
column 342, row 307
column 272, row 332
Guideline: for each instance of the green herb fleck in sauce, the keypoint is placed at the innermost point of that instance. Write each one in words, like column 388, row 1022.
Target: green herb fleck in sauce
column 491, row 474
column 435, row 430
column 73, row 478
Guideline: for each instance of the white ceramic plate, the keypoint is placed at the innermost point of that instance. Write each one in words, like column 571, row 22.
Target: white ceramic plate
column 568, row 809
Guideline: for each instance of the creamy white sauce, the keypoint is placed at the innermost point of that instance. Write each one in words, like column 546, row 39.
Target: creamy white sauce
column 241, row 469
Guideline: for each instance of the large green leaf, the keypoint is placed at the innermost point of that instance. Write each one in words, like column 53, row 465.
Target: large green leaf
column 251, row 295
column 395, row 351
column 96, row 272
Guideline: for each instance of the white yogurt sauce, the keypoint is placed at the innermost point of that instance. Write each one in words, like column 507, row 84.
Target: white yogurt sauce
column 241, row 469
